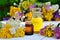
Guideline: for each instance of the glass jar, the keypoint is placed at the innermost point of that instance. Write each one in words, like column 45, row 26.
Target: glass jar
column 37, row 19
column 28, row 28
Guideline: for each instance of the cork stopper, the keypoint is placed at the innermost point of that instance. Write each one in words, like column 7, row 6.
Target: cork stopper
column 28, row 22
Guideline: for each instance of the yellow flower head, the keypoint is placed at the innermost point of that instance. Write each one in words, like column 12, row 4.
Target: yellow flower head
column 19, row 32
column 48, row 31
column 25, row 4
column 29, row 15
column 9, row 35
column 7, row 26
column 13, row 10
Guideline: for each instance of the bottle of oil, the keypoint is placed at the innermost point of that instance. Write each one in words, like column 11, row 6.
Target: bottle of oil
column 28, row 28
column 37, row 20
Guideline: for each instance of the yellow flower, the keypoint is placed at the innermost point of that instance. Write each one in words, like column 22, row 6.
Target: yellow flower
column 19, row 32
column 16, row 35
column 29, row 15
column 5, row 33
column 9, row 35
column 48, row 16
column 43, row 11
column 25, row 4
column 13, row 10
column 48, row 32
column 22, row 33
column 7, row 26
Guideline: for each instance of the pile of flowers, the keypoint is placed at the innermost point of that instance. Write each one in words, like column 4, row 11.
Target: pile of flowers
column 50, row 31
column 49, row 12
column 24, row 10
column 11, row 30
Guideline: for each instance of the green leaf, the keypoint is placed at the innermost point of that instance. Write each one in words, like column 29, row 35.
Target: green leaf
column 3, row 2
column 16, row 0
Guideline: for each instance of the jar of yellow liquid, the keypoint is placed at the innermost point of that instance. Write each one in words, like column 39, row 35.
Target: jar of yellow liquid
column 37, row 20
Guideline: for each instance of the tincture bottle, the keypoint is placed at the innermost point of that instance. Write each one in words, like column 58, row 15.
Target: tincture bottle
column 28, row 28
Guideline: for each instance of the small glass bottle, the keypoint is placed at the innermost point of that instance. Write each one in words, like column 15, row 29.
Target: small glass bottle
column 28, row 28
column 37, row 20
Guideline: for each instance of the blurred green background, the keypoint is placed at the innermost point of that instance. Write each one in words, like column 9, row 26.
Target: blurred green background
column 5, row 5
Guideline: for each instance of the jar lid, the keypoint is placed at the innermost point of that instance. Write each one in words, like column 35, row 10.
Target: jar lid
column 36, row 12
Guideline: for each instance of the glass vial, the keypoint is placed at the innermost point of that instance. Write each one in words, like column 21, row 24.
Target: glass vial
column 28, row 28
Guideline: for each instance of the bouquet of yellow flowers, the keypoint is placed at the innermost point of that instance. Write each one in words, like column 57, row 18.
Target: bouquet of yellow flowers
column 13, row 10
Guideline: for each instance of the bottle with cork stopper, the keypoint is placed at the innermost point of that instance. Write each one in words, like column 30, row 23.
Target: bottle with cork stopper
column 29, row 28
